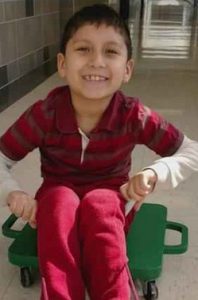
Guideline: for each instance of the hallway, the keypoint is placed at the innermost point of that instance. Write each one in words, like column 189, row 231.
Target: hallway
column 165, row 42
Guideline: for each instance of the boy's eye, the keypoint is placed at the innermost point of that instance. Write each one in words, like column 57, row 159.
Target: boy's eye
column 111, row 51
column 83, row 49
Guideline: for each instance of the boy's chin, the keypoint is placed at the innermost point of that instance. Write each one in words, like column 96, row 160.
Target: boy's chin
column 97, row 95
column 98, row 92
column 90, row 93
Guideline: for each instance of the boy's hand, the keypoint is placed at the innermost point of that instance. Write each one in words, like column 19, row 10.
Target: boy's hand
column 24, row 206
column 139, row 186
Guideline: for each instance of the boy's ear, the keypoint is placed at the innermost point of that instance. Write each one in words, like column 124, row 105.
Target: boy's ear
column 128, row 70
column 61, row 64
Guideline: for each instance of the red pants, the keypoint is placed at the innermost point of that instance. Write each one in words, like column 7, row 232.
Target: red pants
column 82, row 243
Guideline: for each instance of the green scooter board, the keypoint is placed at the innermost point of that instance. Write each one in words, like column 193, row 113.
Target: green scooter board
column 145, row 246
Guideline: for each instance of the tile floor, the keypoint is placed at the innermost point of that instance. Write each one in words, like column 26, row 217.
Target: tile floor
column 166, row 79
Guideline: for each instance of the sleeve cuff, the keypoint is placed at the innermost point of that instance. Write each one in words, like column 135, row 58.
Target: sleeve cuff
column 163, row 175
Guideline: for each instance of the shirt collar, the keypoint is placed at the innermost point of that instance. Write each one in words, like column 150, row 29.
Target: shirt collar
column 109, row 120
column 65, row 115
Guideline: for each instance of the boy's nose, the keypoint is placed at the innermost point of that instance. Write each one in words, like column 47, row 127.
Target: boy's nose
column 97, row 60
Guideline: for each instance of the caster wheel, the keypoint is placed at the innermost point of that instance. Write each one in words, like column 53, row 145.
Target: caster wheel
column 26, row 277
column 150, row 290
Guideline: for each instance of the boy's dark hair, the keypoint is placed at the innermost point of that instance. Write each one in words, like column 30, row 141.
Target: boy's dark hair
column 97, row 14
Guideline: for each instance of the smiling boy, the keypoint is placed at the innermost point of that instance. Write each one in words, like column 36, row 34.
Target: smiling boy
column 95, row 64
column 85, row 132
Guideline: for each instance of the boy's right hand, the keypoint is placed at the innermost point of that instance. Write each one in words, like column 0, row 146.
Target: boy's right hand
column 23, row 205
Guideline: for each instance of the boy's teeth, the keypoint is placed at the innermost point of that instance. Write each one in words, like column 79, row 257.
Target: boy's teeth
column 94, row 78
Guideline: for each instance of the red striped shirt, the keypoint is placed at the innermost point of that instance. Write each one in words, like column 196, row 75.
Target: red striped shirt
column 51, row 126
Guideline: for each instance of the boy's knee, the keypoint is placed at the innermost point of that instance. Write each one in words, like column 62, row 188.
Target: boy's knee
column 58, row 204
column 59, row 195
column 100, row 202
column 58, row 191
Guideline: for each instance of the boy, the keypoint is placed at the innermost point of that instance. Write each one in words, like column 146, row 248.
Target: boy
column 85, row 132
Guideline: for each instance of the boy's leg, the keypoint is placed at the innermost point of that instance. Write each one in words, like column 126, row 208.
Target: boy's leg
column 58, row 245
column 101, row 228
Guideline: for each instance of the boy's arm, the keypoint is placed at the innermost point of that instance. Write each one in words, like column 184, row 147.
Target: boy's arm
column 20, row 203
column 26, row 134
column 7, row 182
column 165, row 173
column 174, row 169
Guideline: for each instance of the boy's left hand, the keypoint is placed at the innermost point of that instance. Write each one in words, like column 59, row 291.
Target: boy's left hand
column 139, row 186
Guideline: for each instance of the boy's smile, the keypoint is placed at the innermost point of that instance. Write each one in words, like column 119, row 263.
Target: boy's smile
column 95, row 62
column 94, row 78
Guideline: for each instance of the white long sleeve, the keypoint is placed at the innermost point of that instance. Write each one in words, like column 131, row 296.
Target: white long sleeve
column 7, row 182
column 174, row 169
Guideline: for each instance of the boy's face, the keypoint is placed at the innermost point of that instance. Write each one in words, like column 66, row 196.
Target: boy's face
column 95, row 62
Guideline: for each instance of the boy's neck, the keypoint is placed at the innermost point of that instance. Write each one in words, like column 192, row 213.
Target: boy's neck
column 89, row 112
column 88, row 107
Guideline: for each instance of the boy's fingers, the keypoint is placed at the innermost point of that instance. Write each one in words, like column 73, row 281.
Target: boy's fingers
column 137, row 190
column 134, row 191
column 32, row 224
column 141, row 186
column 33, row 215
column 12, row 205
column 16, row 205
column 123, row 190
column 138, row 187
column 19, row 209
column 128, row 192
column 147, row 184
column 32, row 221
column 27, row 211
column 135, row 196
column 137, row 205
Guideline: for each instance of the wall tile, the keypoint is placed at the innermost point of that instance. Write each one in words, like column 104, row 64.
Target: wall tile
column 1, row 12
column 46, row 54
column 39, row 57
column 29, row 33
column 29, row 36
column 8, row 42
column 29, row 5
column 50, row 6
column 53, row 50
column 38, row 7
column 26, row 64
column 13, row 70
column 1, row 58
column 3, row 76
column 14, row 10
column 20, row 9
column 80, row 3
column 51, row 28
column 46, row 6
column 10, row 10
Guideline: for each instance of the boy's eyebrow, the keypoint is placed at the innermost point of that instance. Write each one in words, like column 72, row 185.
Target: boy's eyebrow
column 80, row 41
column 112, row 43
